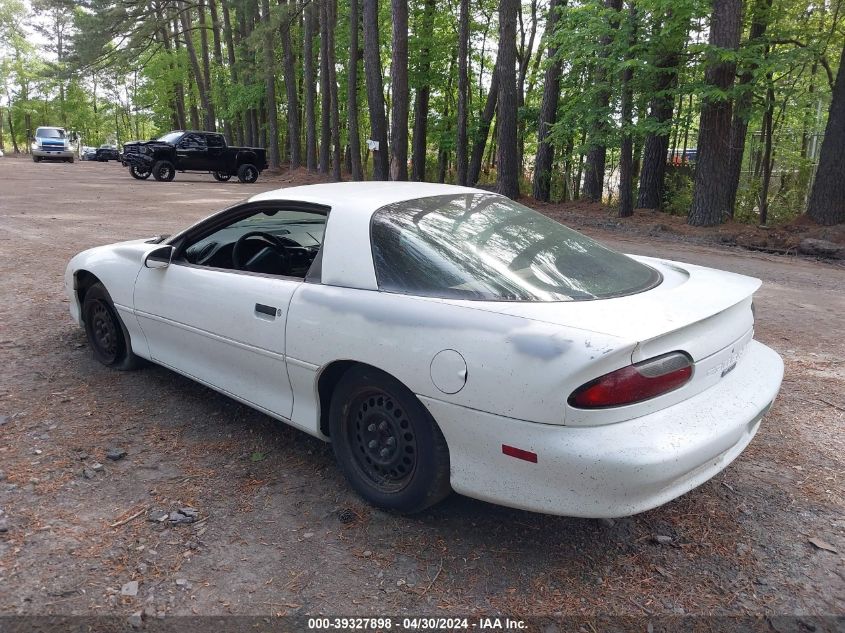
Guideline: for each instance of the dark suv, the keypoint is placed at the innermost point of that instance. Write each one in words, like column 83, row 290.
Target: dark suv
column 193, row 151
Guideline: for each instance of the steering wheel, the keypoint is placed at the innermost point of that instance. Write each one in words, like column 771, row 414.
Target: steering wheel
column 272, row 242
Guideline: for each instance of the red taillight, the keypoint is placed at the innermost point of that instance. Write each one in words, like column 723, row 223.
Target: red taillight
column 634, row 383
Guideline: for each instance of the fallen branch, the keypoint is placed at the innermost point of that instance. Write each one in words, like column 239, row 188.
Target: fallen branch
column 835, row 406
column 434, row 580
column 128, row 519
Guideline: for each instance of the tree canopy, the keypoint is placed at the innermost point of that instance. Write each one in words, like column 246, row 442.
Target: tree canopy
column 706, row 108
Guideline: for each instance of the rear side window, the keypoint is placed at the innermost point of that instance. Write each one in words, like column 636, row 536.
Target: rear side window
column 192, row 141
column 487, row 247
column 215, row 140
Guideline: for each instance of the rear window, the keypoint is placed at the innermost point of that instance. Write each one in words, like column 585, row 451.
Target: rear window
column 487, row 247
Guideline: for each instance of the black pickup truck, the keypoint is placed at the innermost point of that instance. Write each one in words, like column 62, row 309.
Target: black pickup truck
column 192, row 151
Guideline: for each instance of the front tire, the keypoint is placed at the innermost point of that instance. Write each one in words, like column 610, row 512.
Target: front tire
column 248, row 173
column 105, row 331
column 386, row 443
column 164, row 171
column 36, row 159
column 139, row 174
column 70, row 160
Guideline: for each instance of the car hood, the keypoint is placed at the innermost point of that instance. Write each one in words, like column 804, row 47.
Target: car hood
column 688, row 296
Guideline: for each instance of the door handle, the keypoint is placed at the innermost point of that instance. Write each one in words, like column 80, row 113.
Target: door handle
column 266, row 310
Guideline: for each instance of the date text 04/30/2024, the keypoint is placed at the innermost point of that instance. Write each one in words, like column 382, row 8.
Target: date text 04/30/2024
column 416, row 624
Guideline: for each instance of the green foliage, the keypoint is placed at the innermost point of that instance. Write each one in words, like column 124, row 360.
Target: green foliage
column 678, row 194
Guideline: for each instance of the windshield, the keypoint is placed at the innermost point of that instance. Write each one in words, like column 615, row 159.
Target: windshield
column 49, row 132
column 487, row 247
column 170, row 137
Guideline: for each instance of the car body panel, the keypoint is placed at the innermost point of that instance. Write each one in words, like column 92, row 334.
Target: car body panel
column 491, row 373
column 205, row 323
column 617, row 469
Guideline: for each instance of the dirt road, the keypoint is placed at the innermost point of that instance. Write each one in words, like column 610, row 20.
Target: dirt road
column 278, row 529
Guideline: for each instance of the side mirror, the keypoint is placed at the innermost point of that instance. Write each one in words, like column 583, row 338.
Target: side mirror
column 159, row 258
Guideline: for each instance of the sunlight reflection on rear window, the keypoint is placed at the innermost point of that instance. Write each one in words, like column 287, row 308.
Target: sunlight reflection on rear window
column 486, row 247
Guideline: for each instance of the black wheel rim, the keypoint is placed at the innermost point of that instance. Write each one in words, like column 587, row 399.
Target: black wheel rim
column 382, row 439
column 164, row 172
column 105, row 332
column 250, row 174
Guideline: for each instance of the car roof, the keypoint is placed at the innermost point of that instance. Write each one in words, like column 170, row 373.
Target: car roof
column 347, row 258
column 367, row 196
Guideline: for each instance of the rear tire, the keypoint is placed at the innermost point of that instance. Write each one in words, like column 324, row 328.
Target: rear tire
column 248, row 173
column 164, row 171
column 387, row 444
column 106, row 332
column 220, row 176
column 139, row 174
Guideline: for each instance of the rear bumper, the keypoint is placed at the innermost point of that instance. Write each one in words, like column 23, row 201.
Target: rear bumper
column 616, row 469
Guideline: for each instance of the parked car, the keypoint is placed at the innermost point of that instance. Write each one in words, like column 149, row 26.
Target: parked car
column 52, row 143
column 443, row 337
column 105, row 153
column 88, row 153
column 193, row 151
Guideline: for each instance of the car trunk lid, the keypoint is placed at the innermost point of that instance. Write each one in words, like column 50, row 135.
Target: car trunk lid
column 703, row 312
column 689, row 301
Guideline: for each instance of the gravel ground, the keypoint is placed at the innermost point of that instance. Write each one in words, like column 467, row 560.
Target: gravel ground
column 268, row 525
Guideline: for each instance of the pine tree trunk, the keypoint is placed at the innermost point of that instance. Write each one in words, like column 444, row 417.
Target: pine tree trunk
column 422, row 98
column 827, row 198
column 597, row 152
column 294, row 132
column 711, row 192
column 334, row 118
column 399, row 90
column 768, row 130
column 548, row 112
column 216, row 30
column 626, row 150
column 181, row 107
column 270, row 90
column 483, row 130
column 325, row 95
column 524, row 62
column 744, row 103
column 309, row 86
column 446, row 123
column 211, row 116
column 507, row 171
column 375, row 89
column 228, row 37
column 462, row 148
column 661, row 108
column 178, row 102
column 352, row 94
column 184, row 16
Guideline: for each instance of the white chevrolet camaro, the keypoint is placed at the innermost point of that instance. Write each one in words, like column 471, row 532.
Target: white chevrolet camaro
column 445, row 338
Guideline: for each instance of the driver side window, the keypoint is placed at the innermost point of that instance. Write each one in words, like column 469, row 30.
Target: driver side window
column 271, row 242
